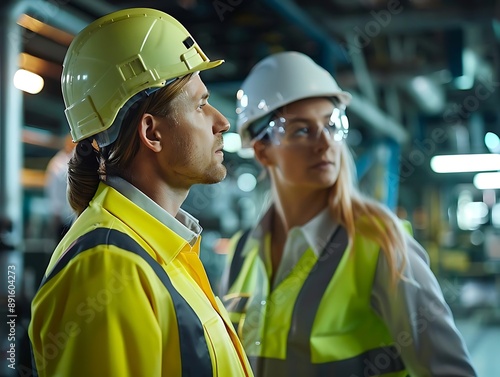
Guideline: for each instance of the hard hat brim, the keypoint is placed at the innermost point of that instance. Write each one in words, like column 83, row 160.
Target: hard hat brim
column 208, row 65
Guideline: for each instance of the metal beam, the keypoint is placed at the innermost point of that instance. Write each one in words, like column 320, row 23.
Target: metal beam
column 54, row 14
column 406, row 21
column 379, row 120
column 366, row 110
column 333, row 51
column 10, row 132
column 11, row 105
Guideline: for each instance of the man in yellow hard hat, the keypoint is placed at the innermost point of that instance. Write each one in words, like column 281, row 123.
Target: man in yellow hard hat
column 125, row 293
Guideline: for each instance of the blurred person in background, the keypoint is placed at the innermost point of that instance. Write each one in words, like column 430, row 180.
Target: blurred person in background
column 125, row 293
column 56, row 185
column 329, row 282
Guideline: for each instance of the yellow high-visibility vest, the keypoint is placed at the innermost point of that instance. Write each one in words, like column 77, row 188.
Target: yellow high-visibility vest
column 126, row 296
column 318, row 321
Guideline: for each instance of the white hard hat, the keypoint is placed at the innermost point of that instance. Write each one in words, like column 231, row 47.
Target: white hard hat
column 278, row 80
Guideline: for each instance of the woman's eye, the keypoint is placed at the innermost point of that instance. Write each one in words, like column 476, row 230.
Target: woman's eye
column 302, row 131
column 299, row 130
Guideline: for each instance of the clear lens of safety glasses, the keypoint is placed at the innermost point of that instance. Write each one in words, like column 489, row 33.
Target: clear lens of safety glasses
column 303, row 132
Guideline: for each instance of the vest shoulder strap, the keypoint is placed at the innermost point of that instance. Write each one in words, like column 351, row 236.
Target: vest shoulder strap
column 195, row 357
column 238, row 259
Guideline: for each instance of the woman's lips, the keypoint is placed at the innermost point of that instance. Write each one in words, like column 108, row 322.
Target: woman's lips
column 322, row 164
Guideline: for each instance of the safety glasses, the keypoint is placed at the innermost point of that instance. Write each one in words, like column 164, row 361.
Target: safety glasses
column 304, row 132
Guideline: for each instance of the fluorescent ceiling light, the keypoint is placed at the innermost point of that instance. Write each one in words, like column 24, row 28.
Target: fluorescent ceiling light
column 28, row 81
column 492, row 142
column 463, row 163
column 486, row 181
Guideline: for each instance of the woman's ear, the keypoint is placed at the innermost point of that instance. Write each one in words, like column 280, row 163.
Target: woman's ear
column 150, row 132
column 261, row 151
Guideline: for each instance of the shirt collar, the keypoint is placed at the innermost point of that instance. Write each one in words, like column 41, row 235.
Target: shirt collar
column 318, row 231
column 184, row 224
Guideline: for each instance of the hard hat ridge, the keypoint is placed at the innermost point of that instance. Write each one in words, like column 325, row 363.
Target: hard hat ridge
column 117, row 57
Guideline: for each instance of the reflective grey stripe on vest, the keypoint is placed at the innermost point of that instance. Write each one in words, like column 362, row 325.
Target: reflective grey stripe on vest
column 298, row 362
column 369, row 364
column 195, row 357
column 238, row 259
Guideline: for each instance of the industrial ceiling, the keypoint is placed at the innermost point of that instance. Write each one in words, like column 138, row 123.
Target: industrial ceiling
column 412, row 66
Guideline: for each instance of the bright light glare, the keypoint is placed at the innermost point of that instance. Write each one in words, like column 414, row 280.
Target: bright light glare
column 246, row 153
column 28, row 81
column 491, row 141
column 232, row 142
column 495, row 215
column 476, row 210
column 470, row 214
column 462, row 163
column 247, row 182
column 421, row 84
column 485, row 181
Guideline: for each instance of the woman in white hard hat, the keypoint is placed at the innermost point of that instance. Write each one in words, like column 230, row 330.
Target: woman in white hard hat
column 125, row 293
column 329, row 282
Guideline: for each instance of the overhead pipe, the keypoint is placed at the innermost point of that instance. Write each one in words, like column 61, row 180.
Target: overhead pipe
column 333, row 51
column 379, row 120
column 362, row 107
column 10, row 132
column 398, row 18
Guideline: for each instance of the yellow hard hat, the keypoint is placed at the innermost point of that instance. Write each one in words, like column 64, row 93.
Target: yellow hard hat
column 119, row 56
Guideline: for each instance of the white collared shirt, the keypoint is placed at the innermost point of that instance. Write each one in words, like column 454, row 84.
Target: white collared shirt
column 299, row 239
column 418, row 302
column 183, row 224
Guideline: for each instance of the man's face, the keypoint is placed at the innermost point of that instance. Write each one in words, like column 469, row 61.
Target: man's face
column 193, row 144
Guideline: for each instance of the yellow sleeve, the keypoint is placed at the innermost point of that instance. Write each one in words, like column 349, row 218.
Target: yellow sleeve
column 100, row 316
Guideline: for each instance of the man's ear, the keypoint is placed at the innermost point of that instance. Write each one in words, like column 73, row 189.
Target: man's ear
column 150, row 132
column 261, row 151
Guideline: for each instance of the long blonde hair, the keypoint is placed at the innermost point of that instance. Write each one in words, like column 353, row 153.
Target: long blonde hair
column 359, row 213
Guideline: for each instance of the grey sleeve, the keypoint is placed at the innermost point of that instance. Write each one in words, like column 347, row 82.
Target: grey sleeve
column 419, row 318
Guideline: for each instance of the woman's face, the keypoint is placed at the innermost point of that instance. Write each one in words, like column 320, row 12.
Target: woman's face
column 301, row 161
